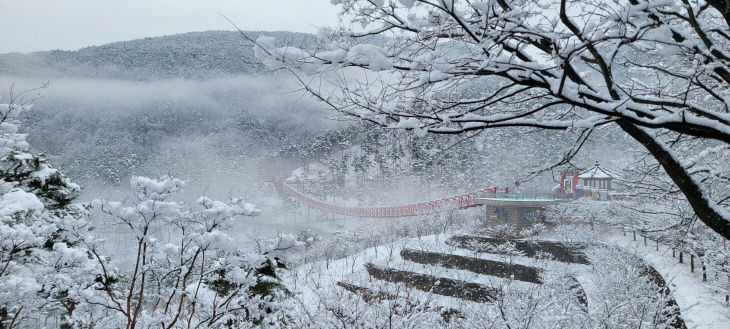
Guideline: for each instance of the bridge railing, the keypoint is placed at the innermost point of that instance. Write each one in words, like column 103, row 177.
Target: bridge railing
column 461, row 201
column 465, row 200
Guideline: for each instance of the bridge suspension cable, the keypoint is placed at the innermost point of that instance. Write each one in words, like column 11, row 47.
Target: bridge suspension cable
column 461, row 201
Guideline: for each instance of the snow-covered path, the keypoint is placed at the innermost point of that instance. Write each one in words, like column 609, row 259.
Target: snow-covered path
column 701, row 306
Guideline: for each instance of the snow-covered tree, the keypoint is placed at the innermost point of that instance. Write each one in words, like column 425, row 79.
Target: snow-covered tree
column 184, row 270
column 40, row 229
column 655, row 70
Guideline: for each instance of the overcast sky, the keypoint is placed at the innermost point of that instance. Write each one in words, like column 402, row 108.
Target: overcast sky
column 31, row 25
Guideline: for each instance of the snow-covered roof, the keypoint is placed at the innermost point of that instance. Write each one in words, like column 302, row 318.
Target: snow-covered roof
column 597, row 172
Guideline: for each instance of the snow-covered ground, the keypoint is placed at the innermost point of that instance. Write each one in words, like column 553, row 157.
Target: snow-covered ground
column 700, row 304
column 701, row 307
column 309, row 280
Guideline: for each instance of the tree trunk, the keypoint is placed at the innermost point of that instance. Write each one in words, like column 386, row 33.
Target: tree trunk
column 3, row 317
column 705, row 209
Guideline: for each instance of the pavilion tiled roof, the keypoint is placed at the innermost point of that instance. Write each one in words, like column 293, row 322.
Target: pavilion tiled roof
column 598, row 172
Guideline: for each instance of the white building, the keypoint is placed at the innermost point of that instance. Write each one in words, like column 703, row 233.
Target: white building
column 598, row 178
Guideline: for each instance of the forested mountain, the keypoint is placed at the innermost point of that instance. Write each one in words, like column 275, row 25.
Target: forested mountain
column 200, row 104
column 195, row 55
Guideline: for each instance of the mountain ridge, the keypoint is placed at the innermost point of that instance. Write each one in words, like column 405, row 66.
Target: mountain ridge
column 191, row 55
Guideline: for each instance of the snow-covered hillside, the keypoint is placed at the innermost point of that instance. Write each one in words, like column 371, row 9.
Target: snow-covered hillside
column 195, row 55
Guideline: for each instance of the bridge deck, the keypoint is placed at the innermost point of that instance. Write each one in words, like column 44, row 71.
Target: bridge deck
column 466, row 200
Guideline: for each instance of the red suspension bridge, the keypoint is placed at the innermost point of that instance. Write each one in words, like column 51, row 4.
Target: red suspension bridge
column 461, row 201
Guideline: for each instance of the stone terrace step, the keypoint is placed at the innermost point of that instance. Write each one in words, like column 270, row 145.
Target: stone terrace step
column 369, row 295
column 672, row 307
column 438, row 285
column 563, row 252
column 476, row 265
column 580, row 293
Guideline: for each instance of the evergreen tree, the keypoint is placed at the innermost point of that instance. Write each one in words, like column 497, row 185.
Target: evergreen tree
column 41, row 262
